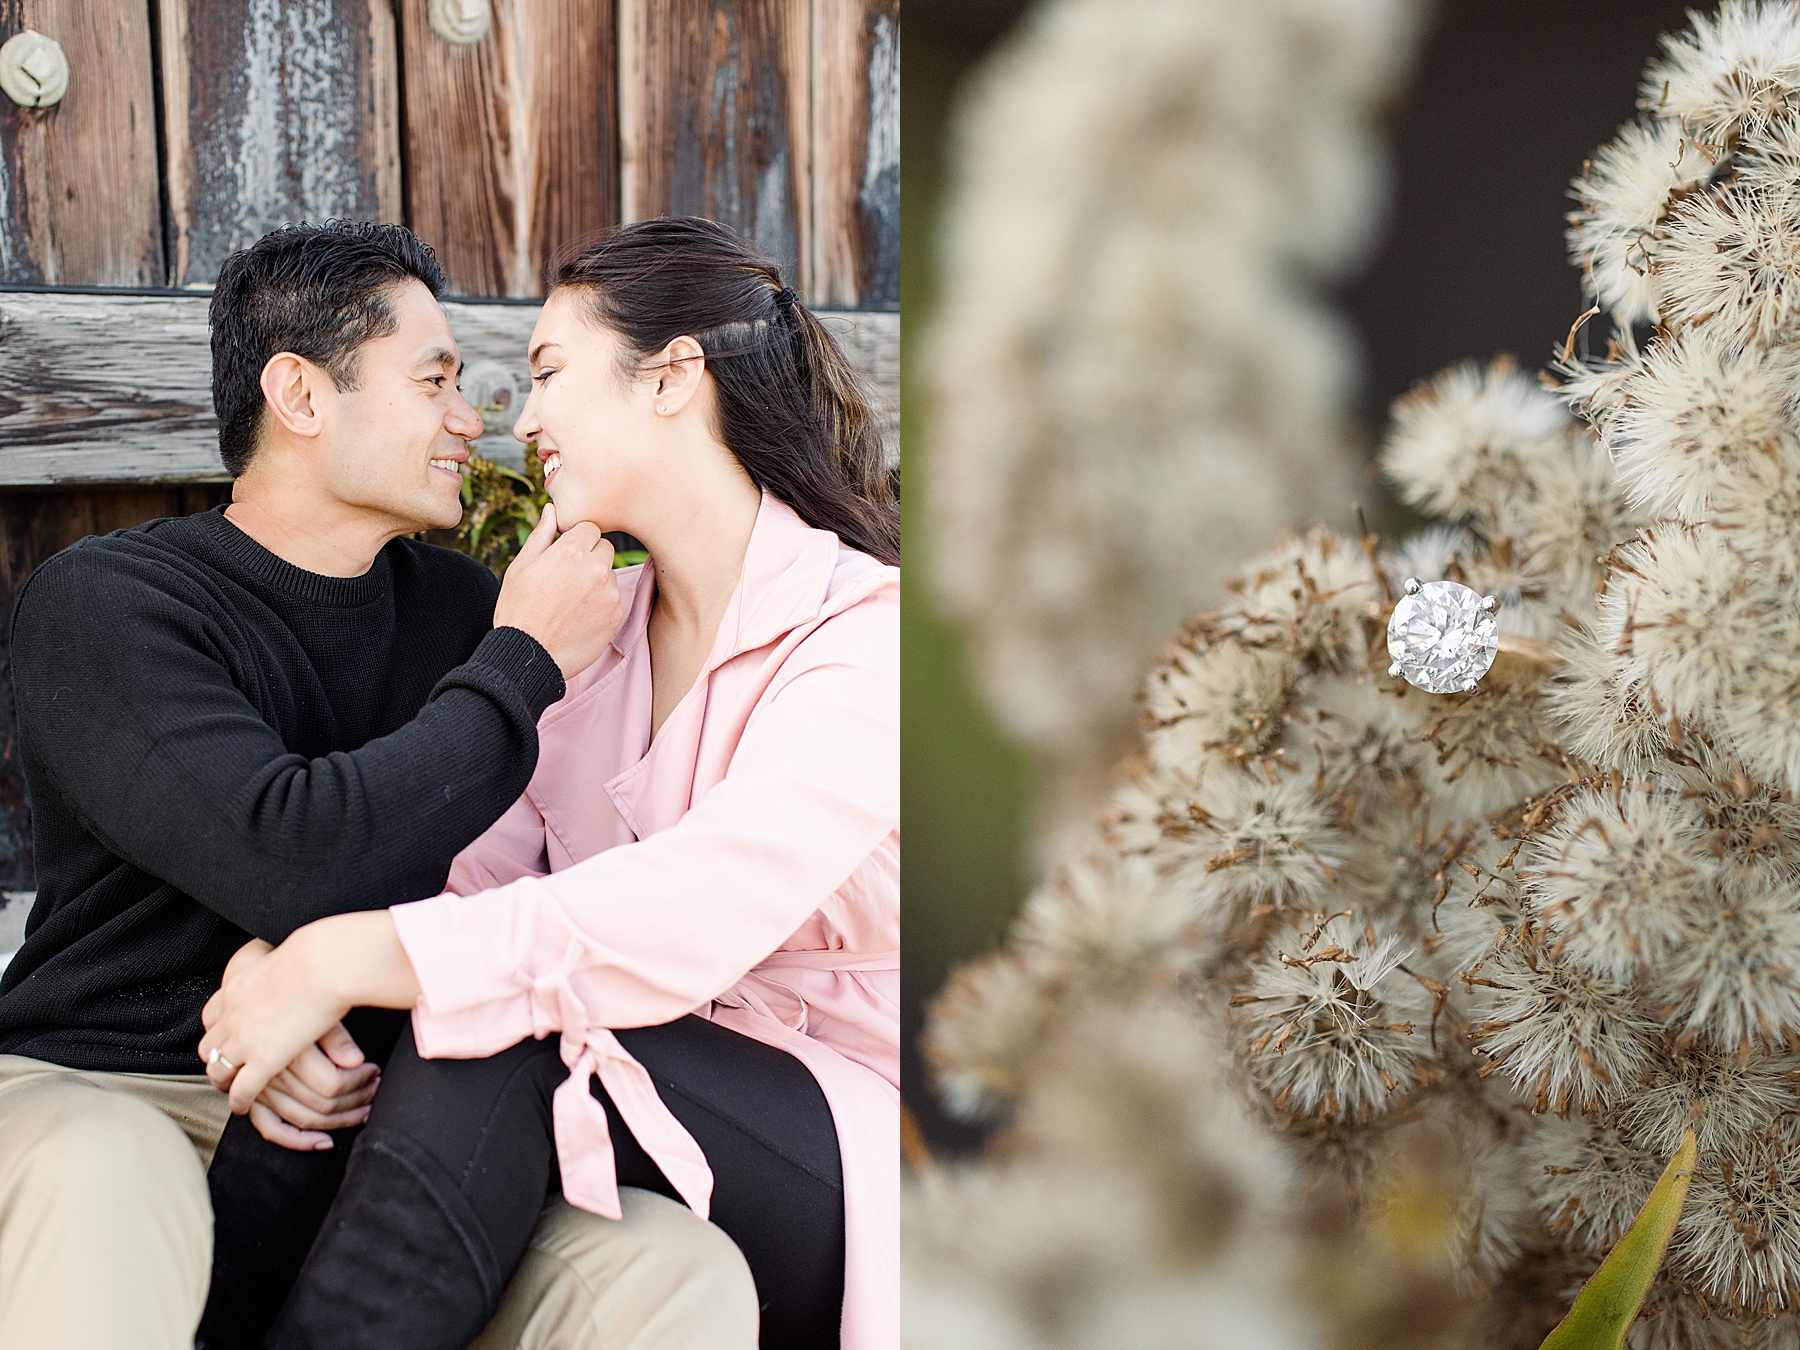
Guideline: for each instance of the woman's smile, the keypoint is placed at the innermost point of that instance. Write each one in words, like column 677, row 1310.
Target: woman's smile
column 552, row 462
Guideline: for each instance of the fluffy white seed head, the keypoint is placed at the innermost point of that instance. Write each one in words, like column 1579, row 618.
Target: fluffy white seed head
column 1330, row 1027
column 1042, row 1236
column 1758, row 510
column 1593, row 386
column 1489, row 746
column 1692, row 615
column 1739, row 1239
column 1763, row 722
column 1103, row 926
column 1221, row 698
column 1696, row 413
column 1142, row 1087
column 1565, row 1036
column 1478, row 918
column 1725, row 1098
column 1240, row 838
column 1397, row 871
column 1734, row 977
column 1457, row 445
column 1731, row 261
column 1457, row 1175
column 1673, row 1319
column 1316, row 599
column 1107, row 925
column 1359, row 742
column 1436, row 552
column 1137, row 818
column 1615, row 878
column 1571, row 514
column 1729, row 75
column 1590, row 1179
column 981, row 1031
column 1625, row 194
column 1749, row 821
column 1594, row 709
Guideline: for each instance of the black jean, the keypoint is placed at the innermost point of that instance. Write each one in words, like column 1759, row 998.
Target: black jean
column 485, row 1126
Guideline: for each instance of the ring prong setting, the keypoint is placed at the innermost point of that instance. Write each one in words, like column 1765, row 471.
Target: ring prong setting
column 1442, row 636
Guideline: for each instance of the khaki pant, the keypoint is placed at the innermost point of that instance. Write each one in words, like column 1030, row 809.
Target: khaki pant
column 106, row 1234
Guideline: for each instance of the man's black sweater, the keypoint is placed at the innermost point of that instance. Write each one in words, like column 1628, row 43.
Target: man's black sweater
column 218, row 744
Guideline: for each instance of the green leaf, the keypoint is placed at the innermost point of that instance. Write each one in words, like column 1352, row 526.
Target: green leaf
column 630, row 557
column 1609, row 1301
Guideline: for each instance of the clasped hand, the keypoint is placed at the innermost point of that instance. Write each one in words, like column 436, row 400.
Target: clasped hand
column 274, row 1030
column 283, row 1054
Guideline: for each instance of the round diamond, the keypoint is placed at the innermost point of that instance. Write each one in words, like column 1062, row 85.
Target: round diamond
column 1442, row 637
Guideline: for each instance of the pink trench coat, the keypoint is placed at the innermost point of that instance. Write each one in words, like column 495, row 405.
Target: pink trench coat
column 744, row 866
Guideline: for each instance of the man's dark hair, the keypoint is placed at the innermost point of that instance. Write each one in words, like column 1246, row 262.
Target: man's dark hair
column 318, row 291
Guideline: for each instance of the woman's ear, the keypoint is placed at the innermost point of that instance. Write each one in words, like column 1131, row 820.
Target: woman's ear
column 289, row 385
column 683, row 364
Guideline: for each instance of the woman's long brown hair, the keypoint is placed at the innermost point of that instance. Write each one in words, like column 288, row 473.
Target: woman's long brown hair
column 792, row 408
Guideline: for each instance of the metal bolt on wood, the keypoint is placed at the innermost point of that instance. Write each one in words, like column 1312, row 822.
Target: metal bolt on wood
column 495, row 391
column 461, row 22
column 33, row 70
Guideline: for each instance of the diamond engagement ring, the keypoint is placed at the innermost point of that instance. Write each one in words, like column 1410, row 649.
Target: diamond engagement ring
column 1442, row 636
column 216, row 1058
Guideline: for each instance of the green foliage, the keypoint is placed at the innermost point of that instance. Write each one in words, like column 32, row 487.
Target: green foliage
column 501, row 507
column 1610, row 1300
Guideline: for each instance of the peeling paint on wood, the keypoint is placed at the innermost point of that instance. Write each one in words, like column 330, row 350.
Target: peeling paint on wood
column 118, row 388
column 856, row 153
column 512, row 140
column 275, row 111
column 715, row 118
column 78, row 190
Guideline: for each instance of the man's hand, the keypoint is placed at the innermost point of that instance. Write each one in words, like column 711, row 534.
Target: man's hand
column 328, row 1088
column 271, row 1005
column 561, row 590
column 275, row 1002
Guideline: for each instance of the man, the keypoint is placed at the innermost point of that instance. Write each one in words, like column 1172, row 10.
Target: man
column 238, row 722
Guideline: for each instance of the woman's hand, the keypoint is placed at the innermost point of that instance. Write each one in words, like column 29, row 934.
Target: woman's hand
column 329, row 1087
column 270, row 1006
column 274, row 1002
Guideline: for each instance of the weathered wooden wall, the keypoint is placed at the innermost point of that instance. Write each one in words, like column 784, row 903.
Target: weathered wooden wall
column 856, row 153
column 273, row 111
column 117, row 388
column 512, row 142
column 79, row 203
column 715, row 117
column 778, row 117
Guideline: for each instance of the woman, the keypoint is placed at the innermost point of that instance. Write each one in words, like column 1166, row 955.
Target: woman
column 700, row 889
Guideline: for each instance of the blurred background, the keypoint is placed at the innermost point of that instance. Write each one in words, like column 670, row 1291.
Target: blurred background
column 1486, row 114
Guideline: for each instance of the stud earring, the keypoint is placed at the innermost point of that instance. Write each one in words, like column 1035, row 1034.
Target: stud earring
column 661, row 409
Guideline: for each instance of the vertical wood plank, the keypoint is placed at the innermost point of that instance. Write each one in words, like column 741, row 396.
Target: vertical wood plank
column 33, row 526
column 856, row 153
column 275, row 111
column 78, row 191
column 715, row 118
column 511, row 141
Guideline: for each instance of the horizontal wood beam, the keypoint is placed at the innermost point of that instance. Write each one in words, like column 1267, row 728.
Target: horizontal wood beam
column 117, row 388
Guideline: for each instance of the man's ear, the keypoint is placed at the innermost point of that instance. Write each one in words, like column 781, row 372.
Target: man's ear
column 683, row 362
column 290, row 385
